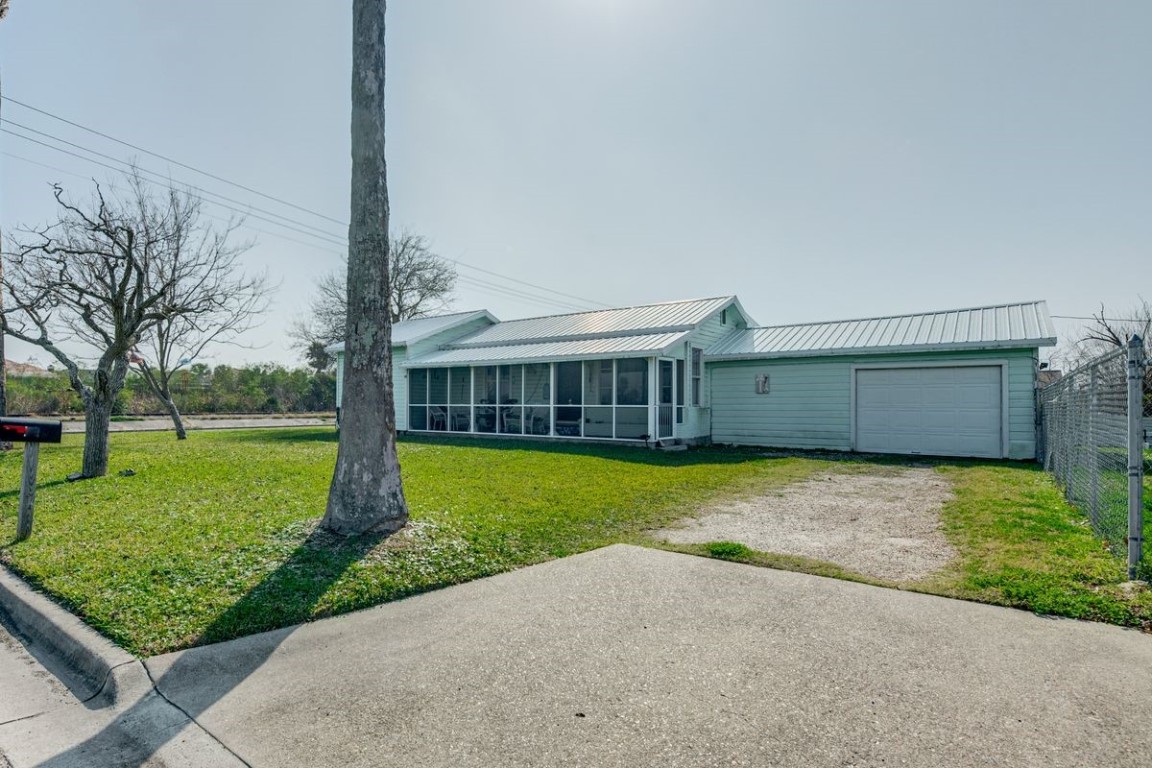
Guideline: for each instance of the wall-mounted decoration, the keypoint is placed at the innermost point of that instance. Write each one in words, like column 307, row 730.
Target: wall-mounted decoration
column 761, row 383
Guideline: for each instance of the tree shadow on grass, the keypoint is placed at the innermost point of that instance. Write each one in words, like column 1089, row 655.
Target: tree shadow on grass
column 294, row 589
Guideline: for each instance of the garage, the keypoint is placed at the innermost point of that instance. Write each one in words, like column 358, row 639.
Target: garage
column 937, row 411
column 948, row 383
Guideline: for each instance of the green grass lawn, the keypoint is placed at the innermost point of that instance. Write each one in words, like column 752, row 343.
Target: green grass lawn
column 215, row 537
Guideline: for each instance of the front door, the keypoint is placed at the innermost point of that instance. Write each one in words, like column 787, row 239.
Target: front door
column 664, row 402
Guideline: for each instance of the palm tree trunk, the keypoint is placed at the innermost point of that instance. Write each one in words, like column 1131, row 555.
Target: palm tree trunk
column 366, row 492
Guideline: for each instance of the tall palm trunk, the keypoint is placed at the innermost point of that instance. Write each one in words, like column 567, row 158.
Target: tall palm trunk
column 3, row 360
column 366, row 493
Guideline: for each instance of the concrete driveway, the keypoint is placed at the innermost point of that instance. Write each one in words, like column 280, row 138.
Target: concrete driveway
column 633, row 657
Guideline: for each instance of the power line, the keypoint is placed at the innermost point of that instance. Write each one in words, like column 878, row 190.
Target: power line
column 173, row 161
column 213, row 202
column 1105, row 319
column 244, row 225
column 531, row 285
column 481, row 285
column 131, row 165
column 325, row 236
column 518, row 294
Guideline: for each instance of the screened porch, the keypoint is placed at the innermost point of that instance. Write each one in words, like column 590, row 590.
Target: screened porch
column 631, row 398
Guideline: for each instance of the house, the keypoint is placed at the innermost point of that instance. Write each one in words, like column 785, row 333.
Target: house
column 951, row 383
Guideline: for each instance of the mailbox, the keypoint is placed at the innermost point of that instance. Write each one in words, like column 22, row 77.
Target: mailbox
column 15, row 429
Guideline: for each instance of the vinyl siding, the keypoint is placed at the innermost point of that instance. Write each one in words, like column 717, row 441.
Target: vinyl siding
column 697, row 421
column 400, row 374
column 810, row 401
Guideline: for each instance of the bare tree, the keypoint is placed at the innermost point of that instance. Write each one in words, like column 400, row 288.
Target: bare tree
column 1107, row 333
column 221, row 302
column 420, row 284
column 102, row 278
column 366, row 492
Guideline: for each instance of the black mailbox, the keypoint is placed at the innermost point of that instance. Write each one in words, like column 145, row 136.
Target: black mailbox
column 14, row 429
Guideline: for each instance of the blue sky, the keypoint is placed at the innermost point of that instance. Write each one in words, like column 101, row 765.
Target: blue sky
column 822, row 160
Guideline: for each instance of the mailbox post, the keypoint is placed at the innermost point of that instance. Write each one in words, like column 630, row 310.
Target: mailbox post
column 31, row 432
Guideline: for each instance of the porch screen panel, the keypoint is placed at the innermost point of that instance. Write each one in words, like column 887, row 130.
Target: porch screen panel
column 418, row 399
column 418, row 386
column 484, row 396
column 459, row 399
column 568, row 388
column 537, row 384
column 632, row 398
column 437, row 399
column 510, row 393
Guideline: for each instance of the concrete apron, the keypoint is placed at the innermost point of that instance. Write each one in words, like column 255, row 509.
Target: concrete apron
column 633, row 657
column 116, row 718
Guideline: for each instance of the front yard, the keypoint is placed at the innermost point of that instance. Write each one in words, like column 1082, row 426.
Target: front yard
column 215, row 537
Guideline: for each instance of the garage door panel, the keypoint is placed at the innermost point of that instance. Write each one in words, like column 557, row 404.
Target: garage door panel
column 940, row 420
column 947, row 411
column 978, row 421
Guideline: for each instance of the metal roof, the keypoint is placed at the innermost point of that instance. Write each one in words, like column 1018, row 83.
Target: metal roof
column 419, row 328
column 668, row 317
column 1026, row 324
column 640, row 345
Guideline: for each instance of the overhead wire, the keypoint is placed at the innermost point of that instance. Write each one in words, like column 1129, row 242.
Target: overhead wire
column 484, row 286
column 173, row 161
column 318, row 233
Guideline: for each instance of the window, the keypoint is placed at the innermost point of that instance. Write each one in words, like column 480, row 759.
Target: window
column 664, row 398
column 679, row 391
column 697, row 375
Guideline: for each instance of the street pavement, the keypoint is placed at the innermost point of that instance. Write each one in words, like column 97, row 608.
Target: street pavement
column 634, row 657
column 249, row 421
column 42, row 722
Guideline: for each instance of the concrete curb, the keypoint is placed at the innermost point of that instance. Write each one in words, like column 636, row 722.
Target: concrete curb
column 94, row 669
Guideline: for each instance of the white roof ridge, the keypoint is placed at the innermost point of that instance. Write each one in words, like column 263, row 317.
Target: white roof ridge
column 896, row 317
column 658, row 330
column 446, row 314
column 621, row 309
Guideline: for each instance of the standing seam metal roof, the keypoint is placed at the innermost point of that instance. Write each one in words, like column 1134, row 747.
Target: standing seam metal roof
column 1024, row 324
column 418, row 328
column 617, row 346
column 626, row 321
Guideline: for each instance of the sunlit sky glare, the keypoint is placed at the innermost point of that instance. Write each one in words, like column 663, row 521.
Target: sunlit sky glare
column 822, row 160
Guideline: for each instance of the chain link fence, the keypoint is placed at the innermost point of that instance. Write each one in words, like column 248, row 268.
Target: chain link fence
column 1085, row 443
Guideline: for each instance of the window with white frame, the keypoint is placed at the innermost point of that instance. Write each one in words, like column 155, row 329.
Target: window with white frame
column 697, row 375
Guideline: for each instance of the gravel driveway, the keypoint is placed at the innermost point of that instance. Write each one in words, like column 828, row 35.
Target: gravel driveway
column 884, row 522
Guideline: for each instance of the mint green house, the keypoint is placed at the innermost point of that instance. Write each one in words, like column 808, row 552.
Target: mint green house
column 952, row 383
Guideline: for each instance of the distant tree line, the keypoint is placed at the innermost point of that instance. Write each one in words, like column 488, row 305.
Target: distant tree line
column 199, row 389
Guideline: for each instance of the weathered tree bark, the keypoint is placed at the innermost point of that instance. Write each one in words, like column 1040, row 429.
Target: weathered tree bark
column 99, row 400
column 366, row 492
column 160, row 388
column 177, row 419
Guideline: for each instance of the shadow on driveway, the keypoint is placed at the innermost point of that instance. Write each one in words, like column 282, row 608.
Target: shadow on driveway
column 298, row 576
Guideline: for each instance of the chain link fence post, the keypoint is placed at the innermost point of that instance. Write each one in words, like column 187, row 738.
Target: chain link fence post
column 1135, row 454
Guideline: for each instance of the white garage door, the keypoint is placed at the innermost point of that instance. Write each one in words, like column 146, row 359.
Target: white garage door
column 931, row 411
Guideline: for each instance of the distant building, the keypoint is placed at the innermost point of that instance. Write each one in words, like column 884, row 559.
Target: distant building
column 14, row 368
